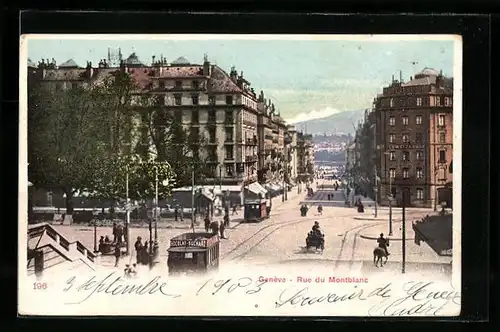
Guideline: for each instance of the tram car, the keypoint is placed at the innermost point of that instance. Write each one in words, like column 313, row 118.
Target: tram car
column 193, row 253
column 256, row 211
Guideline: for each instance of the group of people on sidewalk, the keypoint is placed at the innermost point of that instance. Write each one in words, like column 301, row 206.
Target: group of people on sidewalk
column 144, row 252
column 215, row 227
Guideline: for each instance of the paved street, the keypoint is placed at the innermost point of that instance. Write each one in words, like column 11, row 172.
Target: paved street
column 349, row 236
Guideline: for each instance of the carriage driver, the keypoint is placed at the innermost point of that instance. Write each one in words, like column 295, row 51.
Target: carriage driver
column 383, row 243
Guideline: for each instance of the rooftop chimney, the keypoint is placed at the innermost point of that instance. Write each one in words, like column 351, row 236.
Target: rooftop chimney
column 233, row 74
column 207, row 68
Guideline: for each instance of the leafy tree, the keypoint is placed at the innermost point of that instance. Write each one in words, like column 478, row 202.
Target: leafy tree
column 65, row 139
column 110, row 182
column 172, row 142
column 114, row 95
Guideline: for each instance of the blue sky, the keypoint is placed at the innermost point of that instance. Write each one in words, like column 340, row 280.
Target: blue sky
column 304, row 78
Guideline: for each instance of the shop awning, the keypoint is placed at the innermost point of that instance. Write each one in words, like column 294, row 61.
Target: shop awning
column 256, row 188
column 437, row 232
column 223, row 189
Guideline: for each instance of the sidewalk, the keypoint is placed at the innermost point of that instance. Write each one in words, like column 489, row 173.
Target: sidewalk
column 293, row 199
column 373, row 232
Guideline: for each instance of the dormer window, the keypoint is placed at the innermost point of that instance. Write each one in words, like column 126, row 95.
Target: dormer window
column 229, row 100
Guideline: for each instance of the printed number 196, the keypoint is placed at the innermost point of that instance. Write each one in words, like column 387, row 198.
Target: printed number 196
column 39, row 285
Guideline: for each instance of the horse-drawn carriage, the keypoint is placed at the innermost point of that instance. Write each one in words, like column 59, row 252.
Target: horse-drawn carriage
column 315, row 240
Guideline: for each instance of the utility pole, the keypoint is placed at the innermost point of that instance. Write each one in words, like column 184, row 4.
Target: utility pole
column 127, row 220
column 375, row 189
column 390, row 204
column 192, row 201
column 403, row 237
column 156, row 203
column 220, row 177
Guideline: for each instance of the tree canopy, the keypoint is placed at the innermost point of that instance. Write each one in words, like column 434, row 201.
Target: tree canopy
column 86, row 139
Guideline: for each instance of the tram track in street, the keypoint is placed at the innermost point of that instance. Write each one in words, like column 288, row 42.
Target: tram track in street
column 360, row 229
column 272, row 228
column 293, row 222
column 278, row 225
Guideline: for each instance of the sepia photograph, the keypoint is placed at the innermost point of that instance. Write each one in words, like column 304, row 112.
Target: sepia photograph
column 240, row 175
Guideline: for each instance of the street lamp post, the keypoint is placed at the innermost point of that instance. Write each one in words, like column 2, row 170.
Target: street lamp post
column 157, row 209
column 376, row 190
column 403, row 230
column 127, row 220
column 156, row 203
column 220, row 177
column 390, row 198
column 94, row 213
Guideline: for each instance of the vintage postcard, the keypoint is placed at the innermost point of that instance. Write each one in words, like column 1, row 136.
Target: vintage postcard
column 240, row 175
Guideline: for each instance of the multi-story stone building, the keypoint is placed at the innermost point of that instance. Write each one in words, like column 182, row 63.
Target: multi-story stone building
column 244, row 132
column 414, row 138
column 293, row 156
column 305, row 157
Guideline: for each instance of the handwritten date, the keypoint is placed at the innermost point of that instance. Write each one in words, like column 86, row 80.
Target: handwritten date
column 228, row 286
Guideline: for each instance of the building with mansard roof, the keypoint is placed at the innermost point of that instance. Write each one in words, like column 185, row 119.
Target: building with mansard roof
column 222, row 107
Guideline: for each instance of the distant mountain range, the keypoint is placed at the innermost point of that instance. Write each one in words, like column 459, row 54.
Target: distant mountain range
column 339, row 123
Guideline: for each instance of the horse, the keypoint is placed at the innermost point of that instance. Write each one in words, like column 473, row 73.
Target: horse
column 378, row 254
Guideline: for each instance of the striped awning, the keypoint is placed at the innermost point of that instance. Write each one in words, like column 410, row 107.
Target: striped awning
column 256, row 188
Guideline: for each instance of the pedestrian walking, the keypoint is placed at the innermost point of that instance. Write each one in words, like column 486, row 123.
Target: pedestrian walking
column 222, row 227
column 119, row 233
column 235, row 211
column 117, row 255
column 181, row 210
column 214, row 226
column 138, row 248
column 207, row 223
column 176, row 213
column 115, row 232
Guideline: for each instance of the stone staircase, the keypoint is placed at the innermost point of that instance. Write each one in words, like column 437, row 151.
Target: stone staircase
column 56, row 251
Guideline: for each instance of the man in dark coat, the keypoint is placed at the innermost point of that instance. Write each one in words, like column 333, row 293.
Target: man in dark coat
column 138, row 248
column 117, row 255
column 222, row 227
column 115, row 232
column 383, row 243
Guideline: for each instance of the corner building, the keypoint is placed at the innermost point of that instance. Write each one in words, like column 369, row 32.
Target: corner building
column 208, row 101
column 414, row 136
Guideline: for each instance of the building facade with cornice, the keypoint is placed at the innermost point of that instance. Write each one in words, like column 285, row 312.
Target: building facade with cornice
column 244, row 132
column 414, row 135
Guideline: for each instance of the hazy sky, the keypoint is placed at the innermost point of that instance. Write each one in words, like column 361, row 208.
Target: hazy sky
column 304, row 78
